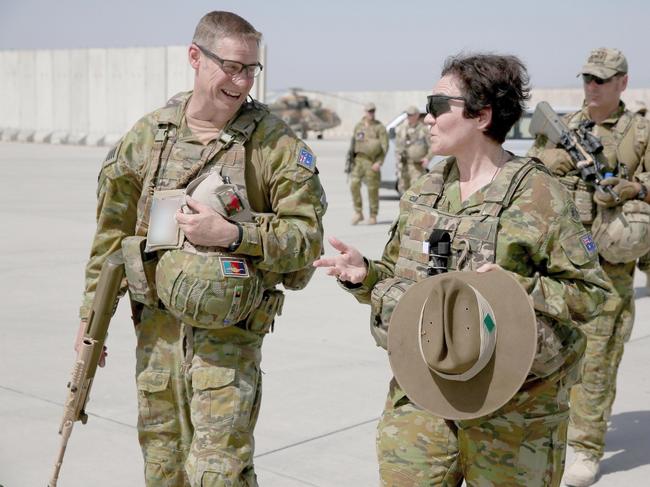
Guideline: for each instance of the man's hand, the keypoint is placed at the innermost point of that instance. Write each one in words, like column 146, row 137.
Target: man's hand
column 205, row 226
column 558, row 161
column 626, row 190
column 79, row 338
column 376, row 167
column 347, row 266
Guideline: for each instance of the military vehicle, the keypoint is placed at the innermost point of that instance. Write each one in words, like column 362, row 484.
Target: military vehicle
column 304, row 114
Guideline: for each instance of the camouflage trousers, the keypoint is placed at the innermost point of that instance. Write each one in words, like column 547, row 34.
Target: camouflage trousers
column 362, row 173
column 409, row 172
column 199, row 393
column 522, row 444
column 592, row 399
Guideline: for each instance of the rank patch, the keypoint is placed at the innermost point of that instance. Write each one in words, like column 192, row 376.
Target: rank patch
column 233, row 267
column 306, row 159
column 588, row 243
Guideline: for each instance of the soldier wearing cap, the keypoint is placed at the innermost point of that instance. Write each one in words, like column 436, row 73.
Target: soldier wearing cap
column 246, row 216
column 369, row 145
column 482, row 210
column 412, row 149
column 626, row 139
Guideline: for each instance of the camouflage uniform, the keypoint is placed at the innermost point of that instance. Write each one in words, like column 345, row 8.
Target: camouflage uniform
column 370, row 143
column 624, row 136
column 525, row 222
column 411, row 146
column 199, row 389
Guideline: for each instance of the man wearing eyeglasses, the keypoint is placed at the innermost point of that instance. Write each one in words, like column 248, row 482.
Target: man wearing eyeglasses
column 624, row 136
column 369, row 145
column 198, row 350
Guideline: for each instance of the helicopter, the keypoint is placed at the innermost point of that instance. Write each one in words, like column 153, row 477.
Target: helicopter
column 304, row 114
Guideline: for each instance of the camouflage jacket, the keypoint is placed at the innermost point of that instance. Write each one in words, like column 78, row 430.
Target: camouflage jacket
column 625, row 137
column 278, row 181
column 412, row 143
column 370, row 140
column 540, row 240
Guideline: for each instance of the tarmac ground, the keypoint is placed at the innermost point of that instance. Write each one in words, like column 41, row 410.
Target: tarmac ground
column 325, row 381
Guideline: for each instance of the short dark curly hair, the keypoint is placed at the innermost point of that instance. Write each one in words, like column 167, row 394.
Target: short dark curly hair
column 491, row 80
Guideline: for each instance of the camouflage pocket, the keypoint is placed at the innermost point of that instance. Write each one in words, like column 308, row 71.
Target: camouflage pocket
column 548, row 357
column 261, row 320
column 140, row 270
column 383, row 300
column 224, row 395
column 155, row 398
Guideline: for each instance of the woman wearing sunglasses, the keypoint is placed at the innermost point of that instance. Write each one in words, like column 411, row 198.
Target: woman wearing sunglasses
column 497, row 211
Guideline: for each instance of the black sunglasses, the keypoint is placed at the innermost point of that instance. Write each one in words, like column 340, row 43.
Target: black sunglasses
column 588, row 78
column 439, row 104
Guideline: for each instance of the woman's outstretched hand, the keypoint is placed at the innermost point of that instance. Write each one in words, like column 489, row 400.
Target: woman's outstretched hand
column 348, row 265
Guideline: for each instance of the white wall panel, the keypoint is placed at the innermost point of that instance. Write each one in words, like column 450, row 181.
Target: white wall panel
column 97, row 92
column 61, row 90
column 44, row 91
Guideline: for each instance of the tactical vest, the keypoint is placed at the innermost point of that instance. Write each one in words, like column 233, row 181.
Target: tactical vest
column 366, row 141
column 473, row 243
column 202, row 286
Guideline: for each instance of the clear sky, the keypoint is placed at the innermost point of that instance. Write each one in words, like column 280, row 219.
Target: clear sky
column 356, row 45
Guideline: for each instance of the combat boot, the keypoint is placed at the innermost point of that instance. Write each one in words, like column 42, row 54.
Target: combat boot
column 356, row 218
column 372, row 220
column 582, row 472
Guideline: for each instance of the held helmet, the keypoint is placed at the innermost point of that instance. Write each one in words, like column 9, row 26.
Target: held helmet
column 622, row 233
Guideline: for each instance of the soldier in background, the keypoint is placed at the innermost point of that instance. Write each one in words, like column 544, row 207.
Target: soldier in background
column 412, row 141
column 644, row 262
column 201, row 323
column 369, row 146
column 625, row 137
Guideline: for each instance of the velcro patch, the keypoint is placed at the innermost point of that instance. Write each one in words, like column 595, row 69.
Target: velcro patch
column 306, row 159
column 588, row 243
column 233, row 267
column 230, row 202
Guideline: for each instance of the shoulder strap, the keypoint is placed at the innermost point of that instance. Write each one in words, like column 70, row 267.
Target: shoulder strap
column 432, row 187
column 500, row 193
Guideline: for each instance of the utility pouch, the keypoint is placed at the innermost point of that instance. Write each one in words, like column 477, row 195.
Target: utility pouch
column 383, row 300
column 583, row 197
column 140, row 270
column 261, row 320
column 164, row 232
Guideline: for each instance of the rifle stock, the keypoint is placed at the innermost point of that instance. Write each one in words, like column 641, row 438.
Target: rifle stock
column 85, row 365
column 582, row 146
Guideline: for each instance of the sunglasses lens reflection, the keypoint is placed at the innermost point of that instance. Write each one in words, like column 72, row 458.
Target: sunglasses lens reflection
column 436, row 106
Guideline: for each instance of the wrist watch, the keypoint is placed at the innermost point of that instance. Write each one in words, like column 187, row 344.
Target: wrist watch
column 240, row 235
column 643, row 192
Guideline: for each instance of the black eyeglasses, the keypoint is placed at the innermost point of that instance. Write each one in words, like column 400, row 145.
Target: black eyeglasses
column 588, row 78
column 439, row 104
column 233, row 68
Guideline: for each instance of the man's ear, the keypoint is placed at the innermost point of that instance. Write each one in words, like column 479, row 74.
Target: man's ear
column 484, row 118
column 194, row 56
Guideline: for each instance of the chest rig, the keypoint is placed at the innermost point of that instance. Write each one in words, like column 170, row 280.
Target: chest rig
column 174, row 162
column 473, row 234
column 205, row 287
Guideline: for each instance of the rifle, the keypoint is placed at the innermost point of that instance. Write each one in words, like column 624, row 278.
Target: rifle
column 349, row 159
column 92, row 345
column 583, row 147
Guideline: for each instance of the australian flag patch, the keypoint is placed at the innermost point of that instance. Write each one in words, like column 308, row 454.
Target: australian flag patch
column 588, row 243
column 306, row 159
column 233, row 267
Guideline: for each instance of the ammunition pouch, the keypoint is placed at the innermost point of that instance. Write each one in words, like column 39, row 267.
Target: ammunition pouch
column 261, row 320
column 140, row 270
column 583, row 197
column 622, row 233
column 383, row 300
column 208, row 290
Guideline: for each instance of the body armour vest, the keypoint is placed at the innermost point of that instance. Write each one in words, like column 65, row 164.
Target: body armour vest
column 202, row 286
column 473, row 239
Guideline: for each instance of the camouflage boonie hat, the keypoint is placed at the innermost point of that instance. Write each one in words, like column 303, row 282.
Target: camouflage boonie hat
column 412, row 110
column 604, row 63
column 622, row 233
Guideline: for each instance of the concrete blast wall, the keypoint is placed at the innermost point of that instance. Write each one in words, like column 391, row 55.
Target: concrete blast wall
column 87, row 95
column 92, row 96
